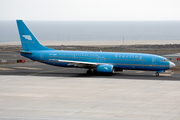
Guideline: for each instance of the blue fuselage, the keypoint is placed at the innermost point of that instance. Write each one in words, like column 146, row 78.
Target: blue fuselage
column 132, row 61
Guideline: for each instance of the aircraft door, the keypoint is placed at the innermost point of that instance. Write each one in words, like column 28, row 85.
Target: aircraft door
column 42, row 56
column 103, row 59
column 99, row 59
column 153, row 61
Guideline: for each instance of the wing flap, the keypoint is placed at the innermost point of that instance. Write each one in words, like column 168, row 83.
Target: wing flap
column 79, row 63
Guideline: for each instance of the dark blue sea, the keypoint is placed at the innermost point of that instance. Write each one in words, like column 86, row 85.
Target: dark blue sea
column 93, row 30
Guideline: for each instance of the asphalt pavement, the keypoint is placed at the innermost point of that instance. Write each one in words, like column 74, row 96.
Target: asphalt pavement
column 40, row 69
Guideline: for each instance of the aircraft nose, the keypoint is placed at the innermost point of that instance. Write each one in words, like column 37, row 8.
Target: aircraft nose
column 171, row 64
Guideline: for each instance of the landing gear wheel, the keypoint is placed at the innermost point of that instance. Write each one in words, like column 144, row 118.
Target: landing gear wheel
column 95, row 72
column 157, row 74
column 89, row 72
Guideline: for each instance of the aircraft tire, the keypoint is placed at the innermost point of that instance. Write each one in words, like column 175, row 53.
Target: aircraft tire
column 89, row 72
column 95, row 72
column 157, row 74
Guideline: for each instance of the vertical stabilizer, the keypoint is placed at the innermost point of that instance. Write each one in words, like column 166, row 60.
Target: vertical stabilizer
column 28, row 40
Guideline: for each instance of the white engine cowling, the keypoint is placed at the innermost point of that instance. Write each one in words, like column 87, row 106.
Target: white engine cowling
column 105, row 68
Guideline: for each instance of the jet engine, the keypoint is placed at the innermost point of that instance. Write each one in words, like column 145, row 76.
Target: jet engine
column 105, row 68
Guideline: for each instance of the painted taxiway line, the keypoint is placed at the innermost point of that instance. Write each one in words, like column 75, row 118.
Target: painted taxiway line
column 49, row 71
column 168, row 71
column 140, row 71
column 27, row 68
column 8, row 54
column 161, row 74
column 6, row 68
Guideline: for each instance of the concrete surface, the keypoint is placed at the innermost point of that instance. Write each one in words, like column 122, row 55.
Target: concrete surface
column 76, row 98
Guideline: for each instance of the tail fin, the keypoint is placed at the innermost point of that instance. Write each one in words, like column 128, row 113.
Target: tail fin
column 28, row 40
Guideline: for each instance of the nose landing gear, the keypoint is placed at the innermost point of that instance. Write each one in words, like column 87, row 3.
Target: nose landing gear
column 157, row 74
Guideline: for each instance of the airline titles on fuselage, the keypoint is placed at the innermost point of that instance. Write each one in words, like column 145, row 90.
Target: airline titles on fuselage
column 116, row 57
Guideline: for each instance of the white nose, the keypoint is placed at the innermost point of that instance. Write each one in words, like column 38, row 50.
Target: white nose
column 171, row 64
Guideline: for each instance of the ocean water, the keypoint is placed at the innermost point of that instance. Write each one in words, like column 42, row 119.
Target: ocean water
column 93, row 30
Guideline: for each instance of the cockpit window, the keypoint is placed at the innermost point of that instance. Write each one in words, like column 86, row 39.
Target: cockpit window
column 164, row 60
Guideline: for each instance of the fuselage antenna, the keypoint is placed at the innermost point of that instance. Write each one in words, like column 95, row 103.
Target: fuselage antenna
column 62, row 47
column 99, row 49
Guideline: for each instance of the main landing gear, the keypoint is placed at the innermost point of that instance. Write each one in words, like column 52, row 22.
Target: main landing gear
column 90, row 72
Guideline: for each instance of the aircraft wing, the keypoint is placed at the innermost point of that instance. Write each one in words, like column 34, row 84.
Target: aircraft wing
column 79, row 63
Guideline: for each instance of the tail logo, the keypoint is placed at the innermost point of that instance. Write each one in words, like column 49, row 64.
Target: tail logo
column 27, row 37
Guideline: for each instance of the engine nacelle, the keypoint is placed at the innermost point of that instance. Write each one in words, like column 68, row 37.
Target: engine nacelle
column 105, row 68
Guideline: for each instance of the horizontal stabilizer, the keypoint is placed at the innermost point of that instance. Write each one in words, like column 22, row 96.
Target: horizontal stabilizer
column 26, row 52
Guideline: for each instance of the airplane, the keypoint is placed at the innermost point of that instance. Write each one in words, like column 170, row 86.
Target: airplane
column 94, row 62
